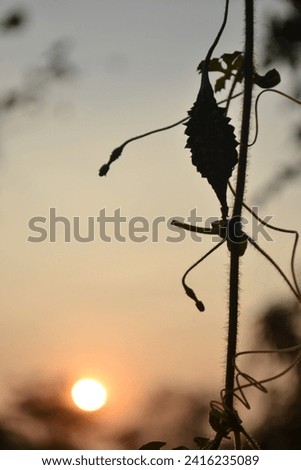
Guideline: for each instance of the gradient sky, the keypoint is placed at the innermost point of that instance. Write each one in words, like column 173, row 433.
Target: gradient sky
column 117, row 310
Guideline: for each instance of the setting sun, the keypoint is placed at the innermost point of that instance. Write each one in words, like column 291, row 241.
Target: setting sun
column 89, row 394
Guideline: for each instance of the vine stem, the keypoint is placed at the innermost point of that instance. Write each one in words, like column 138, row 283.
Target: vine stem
column 238, row 204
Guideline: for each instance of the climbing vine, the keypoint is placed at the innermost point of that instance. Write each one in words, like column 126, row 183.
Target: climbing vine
column 215, row 152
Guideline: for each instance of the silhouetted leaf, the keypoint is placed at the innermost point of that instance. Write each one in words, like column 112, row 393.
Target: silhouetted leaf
column 211, row 138
column 233, row 60
column 153, row 445
column 228, row 64
column 269, row 80
column 214, row 66
column 218, row 421
column 201, row 442
column 212, row 143
column 220, row 84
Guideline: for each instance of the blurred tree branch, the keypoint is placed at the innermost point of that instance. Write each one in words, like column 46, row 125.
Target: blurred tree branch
column 279, row 327
column 283, row 42
column 283, row 45
column 57, row 66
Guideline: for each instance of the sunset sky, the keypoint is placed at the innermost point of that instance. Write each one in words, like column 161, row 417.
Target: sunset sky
column 116, row 310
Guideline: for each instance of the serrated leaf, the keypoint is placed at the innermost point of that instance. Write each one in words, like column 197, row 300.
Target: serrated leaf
column 234, row 63
column 220, row 84
column 214, row 66
column 237, row 64
column 212, row 142
column 229, row 58
column 227, row 64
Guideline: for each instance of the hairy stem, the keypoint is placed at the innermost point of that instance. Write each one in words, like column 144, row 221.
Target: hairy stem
column 247, row 103
column 238, row 203
column 232, row 326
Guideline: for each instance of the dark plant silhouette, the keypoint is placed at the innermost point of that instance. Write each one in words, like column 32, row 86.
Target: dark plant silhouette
column 279, row 328
column 283, row 42
column 213, row 145
column 41, row 417
column 283, row 47
column 36, row 83
column 210, row 136
column 35, row 409
column 175, row 416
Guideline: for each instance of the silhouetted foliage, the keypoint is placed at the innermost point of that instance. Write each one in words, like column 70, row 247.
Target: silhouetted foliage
column 36, row 83
column 211, row 137
column 283, row 45
column 177, row 417
column 279, row 327
column 50, row 420
column 13, row 20
column 42, row 418
column 212, row 142
column 12, row 440
column 227, row 65
column 35, row 86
